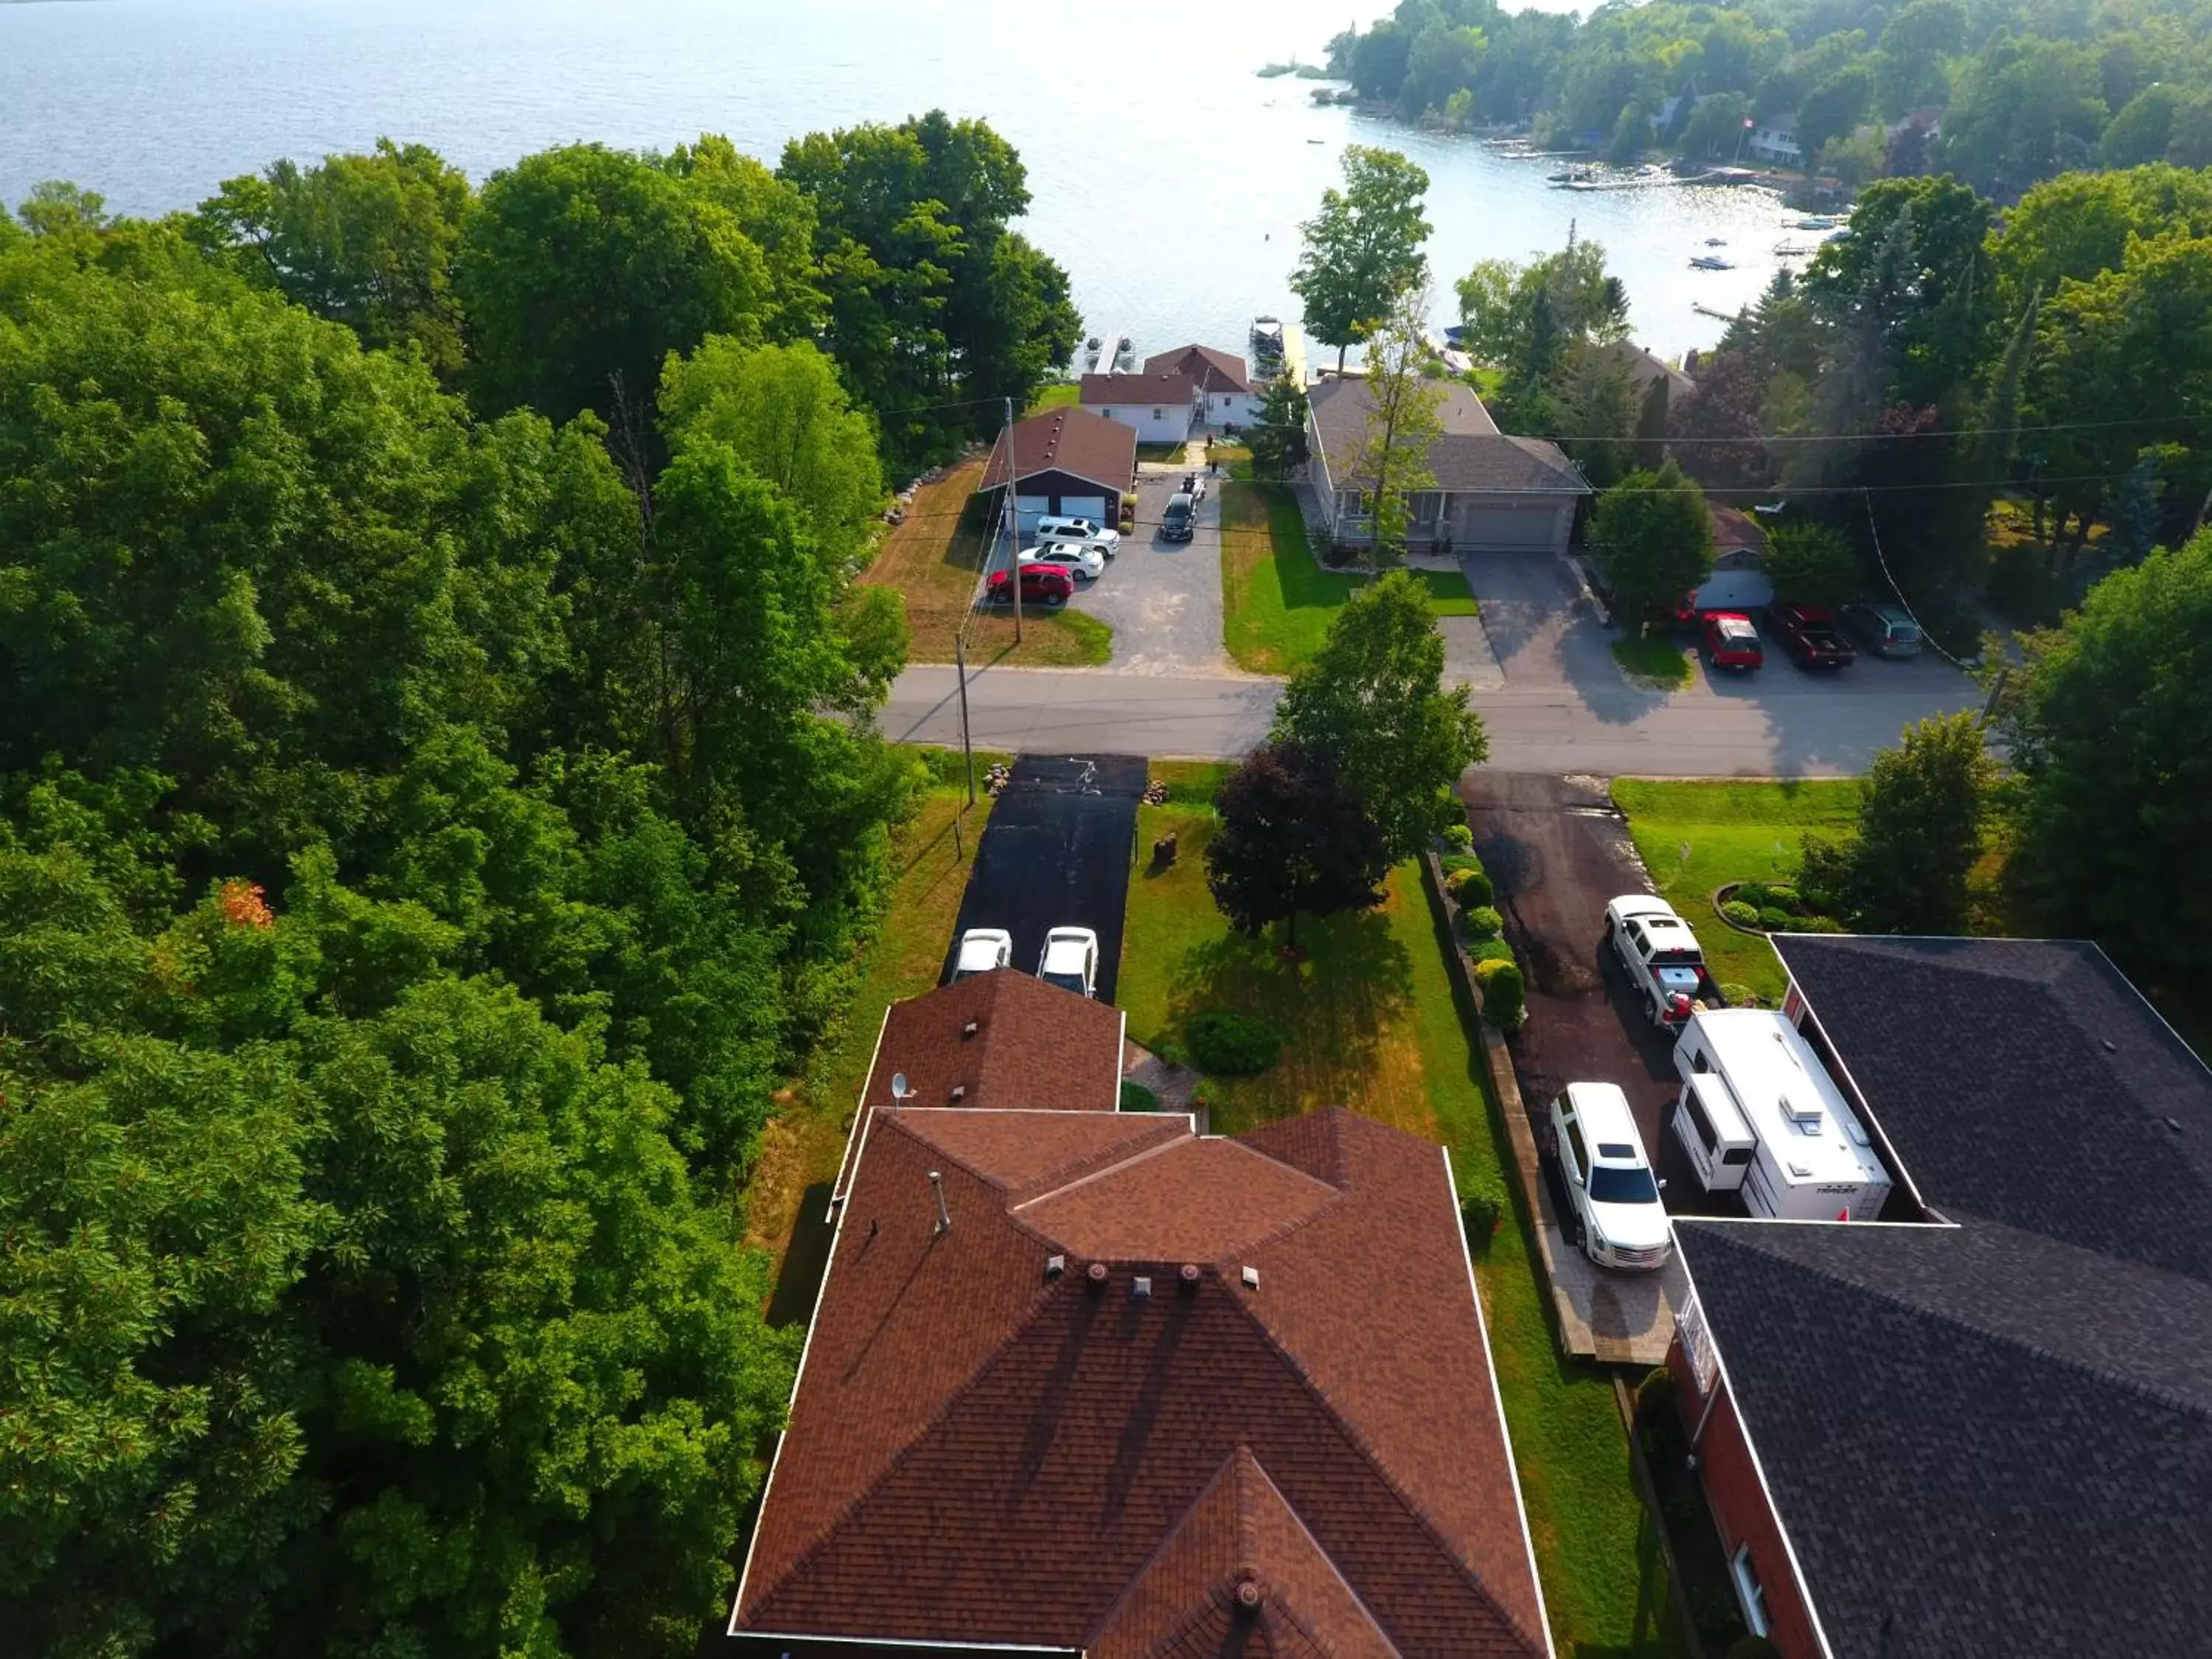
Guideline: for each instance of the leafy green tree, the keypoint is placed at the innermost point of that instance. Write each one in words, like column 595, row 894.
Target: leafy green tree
column 366, row 240
column 1291, row 840
column 2108, row 727
column 1279, row 440
column 55, row 207
column 784, row 412
column 1519, row 317
column 2027, row 109
column 1716, row 432
column 1654, row 539
column 1373, row 698
column 1831, row 110
column 1363, row 249
column 2079, row 226
column 1390, row 460
column 1920, row 828
column 581, row 269
column 1716, row 128
column 1812, row 564
column 776, row 216
column 1599, row 413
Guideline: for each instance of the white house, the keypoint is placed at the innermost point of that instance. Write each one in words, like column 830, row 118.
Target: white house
column 1226, row 394
column 1774, row 141
column 1493, row 492
column 1160, row 407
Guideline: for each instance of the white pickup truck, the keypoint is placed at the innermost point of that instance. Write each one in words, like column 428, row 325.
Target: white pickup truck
column 1665, row 968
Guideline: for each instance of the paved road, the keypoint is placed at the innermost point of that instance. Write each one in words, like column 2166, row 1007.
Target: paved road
column 1778, row 724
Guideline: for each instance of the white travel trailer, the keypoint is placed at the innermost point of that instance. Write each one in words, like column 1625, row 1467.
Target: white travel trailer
column 1810, row 1159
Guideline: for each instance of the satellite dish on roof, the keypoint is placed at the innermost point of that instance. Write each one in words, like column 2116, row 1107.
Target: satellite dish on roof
column 899, row 1091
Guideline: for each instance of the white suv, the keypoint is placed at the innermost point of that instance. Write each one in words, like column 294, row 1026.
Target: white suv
column 1083, row 532
column 981, row 949
column 1071, row 960
column 1617, row 1217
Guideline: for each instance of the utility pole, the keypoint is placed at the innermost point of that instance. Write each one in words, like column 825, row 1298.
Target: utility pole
column 960, row 662
column 1013, row 511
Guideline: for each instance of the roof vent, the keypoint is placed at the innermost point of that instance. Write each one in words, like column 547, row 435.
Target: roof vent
column 1140, row 1287
column 1251, row 1279
column 1095, row 1272
column 959, row 1092
column 1802, row 1171
column 970, row 1028
column 1805, row 1114
column 937, row 1188
column 1247, row 1594
column 1055, row 1266
column 1188, row 1279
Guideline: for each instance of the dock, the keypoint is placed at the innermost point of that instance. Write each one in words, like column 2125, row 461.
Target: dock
column 1294, row 354
column 1722, row 316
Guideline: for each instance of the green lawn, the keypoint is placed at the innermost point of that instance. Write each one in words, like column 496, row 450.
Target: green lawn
column 1734, row 832
column 1060, row 395
column 1277, row 600
column 1659, row 661
column 1171, row 453
column 1371, row 1021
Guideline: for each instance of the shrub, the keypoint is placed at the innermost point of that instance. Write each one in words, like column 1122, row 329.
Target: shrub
column 1488, row 950
column 1482, row 922
column 1458, row 838
column 1756, row 894
column 1128, row 502
column 1469, row 888
column 1774, row 920
column 1782, row 898
column 1135, row 1097
column 1504, row 992
column 1742, row 914
column 1657, row 1393
column 1230, row 1044
column 1737, row 995
column 1453, row 863
column 1481, row 1206
column 1818, row 924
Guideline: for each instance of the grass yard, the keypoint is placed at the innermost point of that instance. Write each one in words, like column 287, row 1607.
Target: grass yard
column 1170, row 452
column 803, row 1142
column 1734, row 832
column 1371, row 1021
column 1657, row 661
column 1235, row 459
column 1277, row 599
column 934, row 559
column 1062, row 394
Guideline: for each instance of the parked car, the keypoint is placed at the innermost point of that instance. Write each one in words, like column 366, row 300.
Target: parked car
column 1180, row 522
column 1071, row 960
column 981, row 949
column 1732, row 642
column 1666, row 968
column 1073, row 557
column 1613, row 1199
column 1042, row 584
column 1884, row 629
column 1809, row 634
column 1083, row 532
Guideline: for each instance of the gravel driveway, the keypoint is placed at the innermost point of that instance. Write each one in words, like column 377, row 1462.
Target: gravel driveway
column 1164, row 599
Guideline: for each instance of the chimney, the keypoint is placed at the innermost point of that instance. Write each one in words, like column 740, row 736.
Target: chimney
column 937, row 1189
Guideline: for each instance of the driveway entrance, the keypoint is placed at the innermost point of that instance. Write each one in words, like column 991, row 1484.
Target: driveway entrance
column 1162, row 597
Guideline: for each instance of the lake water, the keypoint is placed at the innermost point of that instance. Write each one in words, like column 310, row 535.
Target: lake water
column 1167, row 178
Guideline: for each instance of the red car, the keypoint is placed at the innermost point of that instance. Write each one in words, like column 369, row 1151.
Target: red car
column 1042, row 584
column 1732, row 641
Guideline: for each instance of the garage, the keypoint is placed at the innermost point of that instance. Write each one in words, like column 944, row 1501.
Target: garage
column 1533, row 528
column 1067, row 464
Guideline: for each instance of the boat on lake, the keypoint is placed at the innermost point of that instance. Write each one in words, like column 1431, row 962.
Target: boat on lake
column 1816, row 221
column 1710, row 262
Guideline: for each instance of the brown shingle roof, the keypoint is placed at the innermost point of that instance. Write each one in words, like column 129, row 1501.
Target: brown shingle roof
column 981, row 1450
column 1470, row 455
column 1210, row 370
column 1128, row 390
column 1035, row 1048
column 1084, row 445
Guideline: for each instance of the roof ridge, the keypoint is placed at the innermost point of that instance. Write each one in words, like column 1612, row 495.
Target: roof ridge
column 1138, row 1156
column 1413, row 1506
column 1319, row 1549
column 2122, row 1380
column 1170, row 1535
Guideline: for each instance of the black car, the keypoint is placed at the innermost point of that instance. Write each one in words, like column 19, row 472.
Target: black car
column 1180, row 522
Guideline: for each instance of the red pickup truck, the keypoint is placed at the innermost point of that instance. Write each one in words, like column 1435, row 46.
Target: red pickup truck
column 1809, row 634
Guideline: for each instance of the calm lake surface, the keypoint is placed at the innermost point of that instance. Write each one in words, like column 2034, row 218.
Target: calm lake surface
column 1167, row 178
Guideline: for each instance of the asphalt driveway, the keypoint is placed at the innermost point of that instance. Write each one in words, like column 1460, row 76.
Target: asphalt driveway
column 1056, row 854
column 1162, row 597
column 1558, row 852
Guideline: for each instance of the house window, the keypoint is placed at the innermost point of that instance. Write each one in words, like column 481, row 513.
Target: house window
column 1747, row 1592
column 1349, row 501
column 1428, row 506
column 1159, row 414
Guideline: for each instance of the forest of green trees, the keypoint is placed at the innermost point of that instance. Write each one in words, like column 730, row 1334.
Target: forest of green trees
column 2025, row 91
column 439, row 807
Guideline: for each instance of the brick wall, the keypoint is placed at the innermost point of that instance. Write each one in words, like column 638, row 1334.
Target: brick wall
column 1740, row 1511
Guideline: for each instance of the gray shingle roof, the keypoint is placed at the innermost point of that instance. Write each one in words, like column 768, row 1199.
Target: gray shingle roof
column 1472, row 456
column 1980, row 1440
column 2026, row 1081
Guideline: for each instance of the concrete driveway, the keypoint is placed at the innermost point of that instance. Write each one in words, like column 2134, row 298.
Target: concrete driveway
column 1162, row 598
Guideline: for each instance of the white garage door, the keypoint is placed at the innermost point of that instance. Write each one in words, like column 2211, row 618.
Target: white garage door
column 1086, row 507
column 1029, row 509
column 1510, row 529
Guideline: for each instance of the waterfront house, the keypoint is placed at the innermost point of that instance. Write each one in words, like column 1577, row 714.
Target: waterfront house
column 1226, row 395
column 1158, row 407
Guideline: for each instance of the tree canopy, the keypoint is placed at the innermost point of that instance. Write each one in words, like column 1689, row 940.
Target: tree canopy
column 1653, row 535
column 1363, row 251
column 1291, row 840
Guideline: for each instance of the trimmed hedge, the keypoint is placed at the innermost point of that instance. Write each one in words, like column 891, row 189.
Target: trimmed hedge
column 1469, row 888
column 1737, row 995
column 1488, row 950
column 1741, row 913
column 1504, row 992
column 1481, row 1207
column 1230, row 1044
column 1773, row 920
column 1482, row 922
column 1453, row 863
column 1753, row 893
column 1458, row 838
